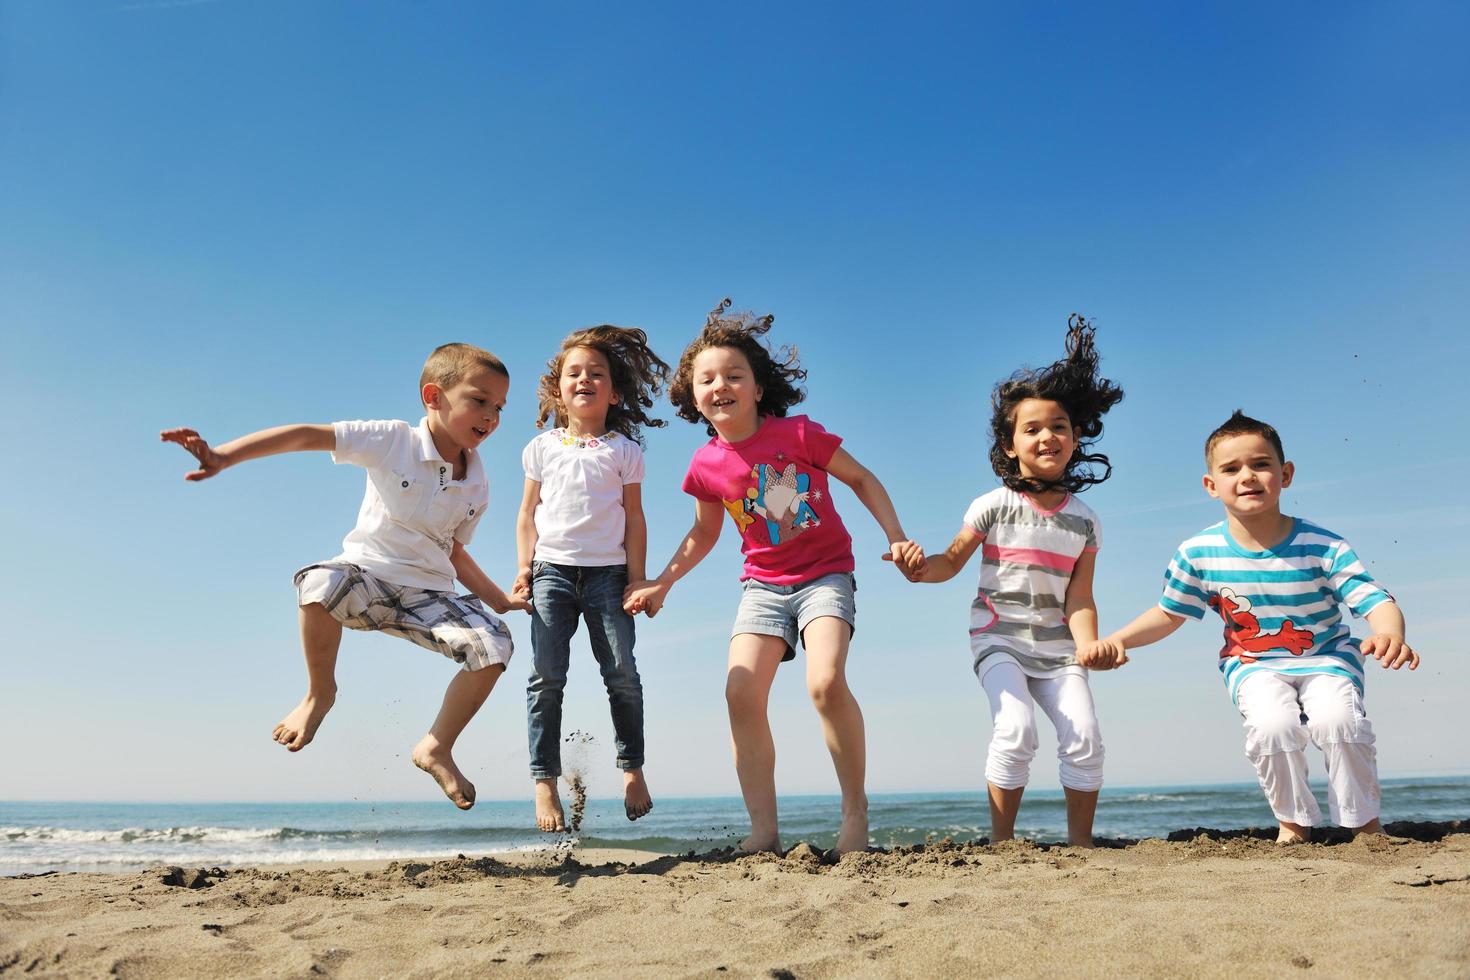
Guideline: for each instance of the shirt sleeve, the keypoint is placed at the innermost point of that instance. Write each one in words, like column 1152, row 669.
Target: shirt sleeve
column 1185, row 591
column 366, row 444
column 466, row 529
column 632, row 462
column 1350, row 581
column 980, row 515
column 694, row 484
column 1094, row 534
column 531, row 460
column 817, row 443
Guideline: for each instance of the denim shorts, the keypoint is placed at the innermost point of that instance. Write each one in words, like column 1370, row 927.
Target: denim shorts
column 785, row 610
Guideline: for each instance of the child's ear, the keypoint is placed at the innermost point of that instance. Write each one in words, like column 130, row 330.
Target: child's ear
column 1210, row 488
column 1288, row 470
column 430, row 395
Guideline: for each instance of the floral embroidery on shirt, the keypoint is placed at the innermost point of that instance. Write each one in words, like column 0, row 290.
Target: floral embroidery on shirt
column 586, row 442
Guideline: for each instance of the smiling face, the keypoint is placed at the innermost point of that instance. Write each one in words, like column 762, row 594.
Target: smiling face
column 725, row 392
column 464, row 414
column 585, row 389
column 1043, row 440
column 1247, row 476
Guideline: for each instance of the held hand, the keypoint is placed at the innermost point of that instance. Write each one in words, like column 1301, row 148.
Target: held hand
column 908, row 558
column 210, row 462
column 517, row 601
column 521, row 588
column 1390, row 651
column 1102, row 655
column 644, row 597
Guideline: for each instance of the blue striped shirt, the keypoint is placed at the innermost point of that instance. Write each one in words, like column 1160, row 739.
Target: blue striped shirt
column 1280, row 607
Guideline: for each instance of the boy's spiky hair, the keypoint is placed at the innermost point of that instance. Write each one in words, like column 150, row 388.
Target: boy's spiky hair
column 450, row 364
column 638, row 374
column 778, row 374
column 1073, row 383
column 1241, row 424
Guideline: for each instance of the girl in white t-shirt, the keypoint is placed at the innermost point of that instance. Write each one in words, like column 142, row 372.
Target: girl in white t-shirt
column 581, row 538
column 1033, row 624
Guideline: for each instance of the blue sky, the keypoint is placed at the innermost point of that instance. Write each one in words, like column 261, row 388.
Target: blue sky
column 230, row 215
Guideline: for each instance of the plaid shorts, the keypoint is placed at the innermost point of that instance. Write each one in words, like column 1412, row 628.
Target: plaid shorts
column 457, row 626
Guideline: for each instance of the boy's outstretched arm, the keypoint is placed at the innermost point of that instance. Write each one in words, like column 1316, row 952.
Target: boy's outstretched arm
column 1387, row 644
column 649, row 596
column 1151, row 627
column 468, row 571
column 266, row 442
column 870, row 491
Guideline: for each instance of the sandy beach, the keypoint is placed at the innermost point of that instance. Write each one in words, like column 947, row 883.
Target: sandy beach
column 1204, row 904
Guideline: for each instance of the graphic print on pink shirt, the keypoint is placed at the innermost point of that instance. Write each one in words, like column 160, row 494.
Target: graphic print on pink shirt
column 774, row 487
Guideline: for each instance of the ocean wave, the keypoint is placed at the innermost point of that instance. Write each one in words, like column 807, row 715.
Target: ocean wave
column 139, row 835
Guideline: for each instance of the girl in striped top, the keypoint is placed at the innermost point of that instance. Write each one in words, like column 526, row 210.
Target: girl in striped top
column 1033, row 624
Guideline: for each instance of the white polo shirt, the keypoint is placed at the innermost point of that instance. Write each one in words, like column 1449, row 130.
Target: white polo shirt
column 413, row 510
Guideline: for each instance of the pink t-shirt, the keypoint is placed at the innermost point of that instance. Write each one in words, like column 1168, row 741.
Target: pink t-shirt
column 774, row 486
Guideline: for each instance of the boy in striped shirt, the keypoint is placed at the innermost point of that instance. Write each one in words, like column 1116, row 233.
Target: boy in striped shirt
column 1290, row 664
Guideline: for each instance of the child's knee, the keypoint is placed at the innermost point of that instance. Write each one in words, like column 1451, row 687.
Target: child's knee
column 827, row 689
column 743, row 693
column 1271, row 733
column 1339, row 723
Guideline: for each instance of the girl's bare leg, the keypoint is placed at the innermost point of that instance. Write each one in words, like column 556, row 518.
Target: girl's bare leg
column 1081, row 807
column 434, row 753
column 1004, row 805
column 321, row 635
column 842, row 723
column 753, row 662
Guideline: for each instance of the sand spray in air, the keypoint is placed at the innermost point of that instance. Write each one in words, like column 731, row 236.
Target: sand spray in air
column 576, row 749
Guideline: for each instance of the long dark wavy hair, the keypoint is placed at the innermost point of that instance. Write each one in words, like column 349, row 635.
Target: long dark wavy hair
column 777, row 373
column 1073, row 383
column 638, row 375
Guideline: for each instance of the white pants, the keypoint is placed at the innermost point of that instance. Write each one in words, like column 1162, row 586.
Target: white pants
column 1283, row 711
column 1067, row 701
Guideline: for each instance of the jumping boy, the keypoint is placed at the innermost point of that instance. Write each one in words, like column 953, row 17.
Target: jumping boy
column 426, row 491
column 1291, row 666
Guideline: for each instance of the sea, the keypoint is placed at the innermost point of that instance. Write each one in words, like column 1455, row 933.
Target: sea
column 120, row 837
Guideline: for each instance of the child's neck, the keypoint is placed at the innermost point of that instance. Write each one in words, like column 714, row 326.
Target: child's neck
column 1260, row 532
column 1050, row 500
column 586, row 428
column 741, row 431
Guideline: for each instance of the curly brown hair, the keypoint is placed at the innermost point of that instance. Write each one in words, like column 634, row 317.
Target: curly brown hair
column 777, row 373
column 1074, row 384
column 638, row 374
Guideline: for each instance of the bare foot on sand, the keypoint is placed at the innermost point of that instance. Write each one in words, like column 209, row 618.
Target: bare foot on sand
column 549, row 815
column 1371, row 827
column 1293, row 833
column 636, row 801
column 854, row 833
column 435, row 760
column 296, row 730
column 760, row 845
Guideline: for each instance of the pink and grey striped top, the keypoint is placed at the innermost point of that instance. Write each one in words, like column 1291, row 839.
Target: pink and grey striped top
column 1026, row 563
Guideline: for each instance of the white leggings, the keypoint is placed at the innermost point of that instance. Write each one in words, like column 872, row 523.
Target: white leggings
column 1282, row 711
column 1067, row 701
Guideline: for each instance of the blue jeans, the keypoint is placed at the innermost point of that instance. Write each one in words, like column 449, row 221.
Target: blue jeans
column 560, row 594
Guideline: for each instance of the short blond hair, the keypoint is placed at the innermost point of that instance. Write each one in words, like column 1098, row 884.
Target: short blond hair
column 452, row 363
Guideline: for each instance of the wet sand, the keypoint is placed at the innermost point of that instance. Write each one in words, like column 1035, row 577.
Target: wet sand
column 1205, row 904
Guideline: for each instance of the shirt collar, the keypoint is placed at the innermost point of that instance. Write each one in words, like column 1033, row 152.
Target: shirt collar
column 429, row 453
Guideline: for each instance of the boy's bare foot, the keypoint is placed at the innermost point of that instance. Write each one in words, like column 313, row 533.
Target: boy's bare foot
column 1293, row 833
column 854, row 833
column 296, row 730
column 1085, row 842
column 760, row 845
column 636, row 801
column 1371, row 827
column 549, row 815
column 436, row 760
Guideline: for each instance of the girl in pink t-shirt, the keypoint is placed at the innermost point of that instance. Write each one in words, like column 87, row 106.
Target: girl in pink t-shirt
column 768, row 474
